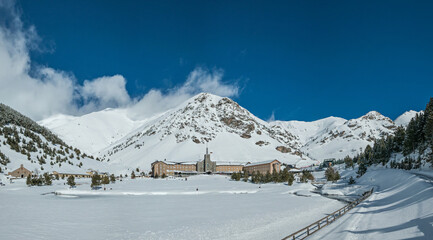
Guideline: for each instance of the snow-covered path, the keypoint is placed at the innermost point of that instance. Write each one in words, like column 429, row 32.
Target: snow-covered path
column 401, row 208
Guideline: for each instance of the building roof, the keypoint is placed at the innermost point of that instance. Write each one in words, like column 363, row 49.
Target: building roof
column 175, row 163
column 230, row 164
column 72, row 173
column 261, row 163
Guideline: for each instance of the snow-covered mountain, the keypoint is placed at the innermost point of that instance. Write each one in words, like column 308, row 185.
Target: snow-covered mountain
column 349, row 137
column 232, row 133
column 404, row 119
column 305, row 131
column 25, row 142
column 181, row 134
column 92, row 132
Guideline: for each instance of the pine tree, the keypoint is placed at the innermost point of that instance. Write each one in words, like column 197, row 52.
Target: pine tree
column 105, row 180
column 268, row 177
column 362, row 169
column 47, row 179
column 96, row 180
column 351, row 180
column 245, row 176
column 112, row 178
column 306, row 175
column 71, row 181
column 348, row 162
column 29, row 180
column 290, row 178
column 284, row 175
column 428, row 126
column 410, row 137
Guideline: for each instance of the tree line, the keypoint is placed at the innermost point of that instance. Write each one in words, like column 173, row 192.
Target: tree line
column 416, row 138
column 275, row 177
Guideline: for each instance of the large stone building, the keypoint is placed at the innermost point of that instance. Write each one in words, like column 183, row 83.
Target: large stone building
column 168, row 168
column 263, row 167
column 206, row 166
column 20, row 172
column 160, row 168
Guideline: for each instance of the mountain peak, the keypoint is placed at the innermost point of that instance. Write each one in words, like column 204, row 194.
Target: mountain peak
column 404, row 119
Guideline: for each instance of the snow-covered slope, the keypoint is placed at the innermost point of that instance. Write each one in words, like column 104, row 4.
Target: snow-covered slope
column 233, row 134
column 305, row 131
column 400, row 208
column 23, row 141
column 92, row 132
column 350, row 137
column 404, row 119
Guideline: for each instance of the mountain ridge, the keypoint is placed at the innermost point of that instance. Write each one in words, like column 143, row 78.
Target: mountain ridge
column 209, row 119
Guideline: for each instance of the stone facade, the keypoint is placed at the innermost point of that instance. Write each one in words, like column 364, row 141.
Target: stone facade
column 21, row 172
column 228, row 168
column 171, row 168
column 263, row 167
column 205, row 166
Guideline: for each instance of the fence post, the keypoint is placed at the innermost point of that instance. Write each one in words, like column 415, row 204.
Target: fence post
column 308, row 231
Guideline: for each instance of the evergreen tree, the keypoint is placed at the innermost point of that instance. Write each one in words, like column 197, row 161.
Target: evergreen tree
column 29, row 180
column 284, row 175
column 245, row 176
column 268, row 177
column 332, row 175
column 96, row 180
column 362, row 169
column 410, row 138
column 47, row 179
column 351, row 180
column 348, row 162
column 428, row 126
column 71, row 181
column 112, row 178
column 290, row 178
column 306, row 175
column 133, row 175
column 105, row 180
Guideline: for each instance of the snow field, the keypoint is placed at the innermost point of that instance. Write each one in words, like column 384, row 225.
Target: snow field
column 159, row 209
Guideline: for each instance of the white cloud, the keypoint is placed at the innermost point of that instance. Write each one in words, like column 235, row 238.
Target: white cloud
column 198, row 81
column 46, row 91
column 105, row 92
column 40, row 92
column 272, row 117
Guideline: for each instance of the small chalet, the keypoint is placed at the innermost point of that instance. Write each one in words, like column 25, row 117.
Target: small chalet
column 20, row 172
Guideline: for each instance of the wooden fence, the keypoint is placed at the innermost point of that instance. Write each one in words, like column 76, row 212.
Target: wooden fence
column 316, row 226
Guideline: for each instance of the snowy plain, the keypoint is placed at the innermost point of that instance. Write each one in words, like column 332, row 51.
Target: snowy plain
column 159, row 209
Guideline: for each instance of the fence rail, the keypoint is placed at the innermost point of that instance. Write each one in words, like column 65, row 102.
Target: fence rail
column 316, row 226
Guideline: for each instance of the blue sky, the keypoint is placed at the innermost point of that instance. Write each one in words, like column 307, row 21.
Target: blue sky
column 302, row 60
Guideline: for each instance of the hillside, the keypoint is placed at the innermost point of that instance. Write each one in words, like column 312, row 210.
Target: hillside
column 349, row 137
column 92, row 132
column 25, row 142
